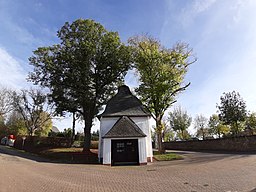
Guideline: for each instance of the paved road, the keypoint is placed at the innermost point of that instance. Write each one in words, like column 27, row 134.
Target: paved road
column 197, row 172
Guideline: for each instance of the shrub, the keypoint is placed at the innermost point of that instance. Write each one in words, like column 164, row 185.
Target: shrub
column 34, row 142
column 94, row 144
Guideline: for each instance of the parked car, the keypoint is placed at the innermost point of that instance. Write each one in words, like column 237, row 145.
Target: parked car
column 8, row 140
column 11, row 140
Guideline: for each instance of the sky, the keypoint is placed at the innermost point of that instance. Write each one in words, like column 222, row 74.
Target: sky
column 222, row 34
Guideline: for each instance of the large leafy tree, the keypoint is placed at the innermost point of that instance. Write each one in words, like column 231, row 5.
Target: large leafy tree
column 83, row 71
column 161, row 73
column 183, row 136
column 251, row 121
column 46, row 124
column 180, row 121
column 16, row 124
column 232, row 110
column 216, row 127
column 32, row 106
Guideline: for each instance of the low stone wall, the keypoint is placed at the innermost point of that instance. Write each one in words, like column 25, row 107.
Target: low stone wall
column 232, row 144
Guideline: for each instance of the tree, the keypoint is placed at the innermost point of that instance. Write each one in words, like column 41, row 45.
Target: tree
column 45, row 122
column 200, row 124
column 232, row 110
column 251, row 121
column 216, row 127
column 3, row 127
column 167, row 132
column 95, row 135
column 16, row 124
column 5, row 101
column 30, row 104
column 180, row 121
column 75, row 117
column 161, row 73
column 183, row 136
column 68, row 132
column 83, row 71
column 2, row 121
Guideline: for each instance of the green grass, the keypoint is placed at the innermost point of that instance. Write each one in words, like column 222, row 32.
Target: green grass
column 61, row 150
column 74, row 155
column 166, row 156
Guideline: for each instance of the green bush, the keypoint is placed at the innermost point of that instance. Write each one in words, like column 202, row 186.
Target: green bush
column 94, row 144
column 166, row 156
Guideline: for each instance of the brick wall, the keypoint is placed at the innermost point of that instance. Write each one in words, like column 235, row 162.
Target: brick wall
column 232, row 144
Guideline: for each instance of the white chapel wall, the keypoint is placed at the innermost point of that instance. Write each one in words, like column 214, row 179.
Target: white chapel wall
column 142, row 142
column 107, row 151
column 105, row 125
column 145, row 125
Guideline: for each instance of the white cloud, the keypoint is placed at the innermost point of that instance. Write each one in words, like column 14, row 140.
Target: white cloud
column 199, row 6
column 235, row 68
column 237, row 8
column 11, row 72
column 225, row 43
column 193, row 9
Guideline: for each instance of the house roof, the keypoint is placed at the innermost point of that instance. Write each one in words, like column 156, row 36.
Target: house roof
column 55, row 129
column 124, row 127
column 124, row 103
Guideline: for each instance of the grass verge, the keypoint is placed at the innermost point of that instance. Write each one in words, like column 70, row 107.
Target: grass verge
column 72, row 155
column 166, row 156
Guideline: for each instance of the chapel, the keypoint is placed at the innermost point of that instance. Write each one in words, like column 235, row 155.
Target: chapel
column 125, row 131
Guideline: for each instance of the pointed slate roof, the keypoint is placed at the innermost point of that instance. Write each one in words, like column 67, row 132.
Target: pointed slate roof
column 55, row 129
column 124, row 127
column 124, row 103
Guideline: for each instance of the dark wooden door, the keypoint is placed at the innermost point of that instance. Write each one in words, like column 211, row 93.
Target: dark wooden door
column 124, row 152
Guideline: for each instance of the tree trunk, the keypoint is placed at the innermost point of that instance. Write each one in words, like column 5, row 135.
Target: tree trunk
column 182, row 134
column 87, row 134
column 159, row 135
column 203, row 133
column 73, row 128
column 159, row 142
column 236, row 129
column 30, row 132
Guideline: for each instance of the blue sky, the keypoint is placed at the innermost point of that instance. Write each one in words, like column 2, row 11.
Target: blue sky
column 222, row 34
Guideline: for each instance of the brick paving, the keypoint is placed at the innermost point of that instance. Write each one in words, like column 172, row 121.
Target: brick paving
column 197, row 172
